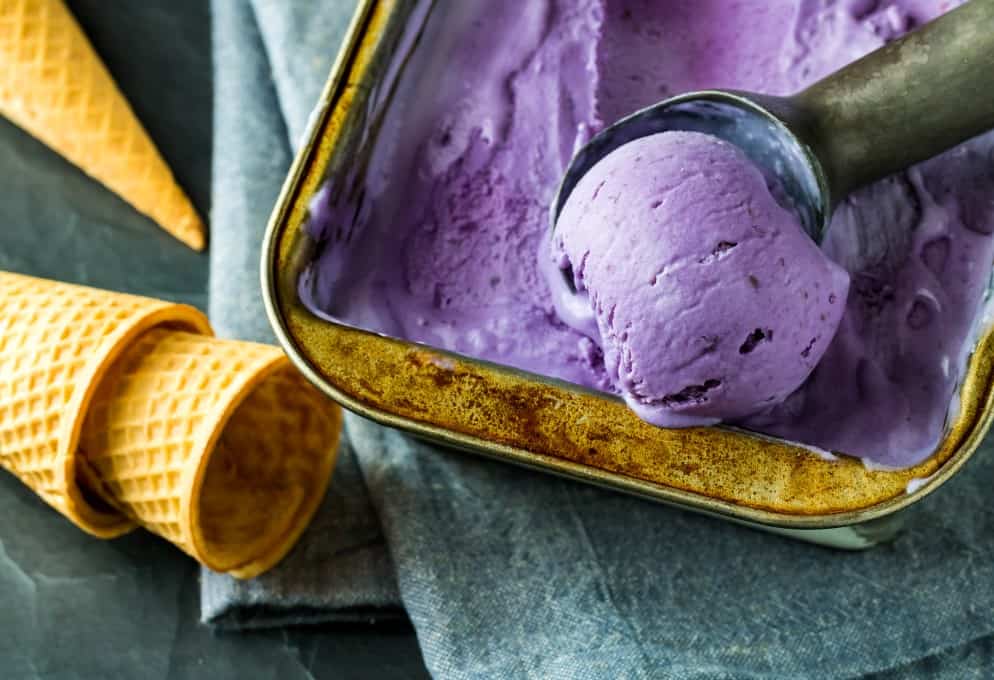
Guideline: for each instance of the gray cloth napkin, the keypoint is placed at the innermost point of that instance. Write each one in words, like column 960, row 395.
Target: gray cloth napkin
column 340, row 570
column 508, row 573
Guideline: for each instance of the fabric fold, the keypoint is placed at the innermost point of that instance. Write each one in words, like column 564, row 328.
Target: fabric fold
column 340, row 569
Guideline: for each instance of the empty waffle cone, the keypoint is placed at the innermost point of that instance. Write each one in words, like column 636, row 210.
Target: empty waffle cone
column 57, row 341
column 221, row 447
column 54, row 86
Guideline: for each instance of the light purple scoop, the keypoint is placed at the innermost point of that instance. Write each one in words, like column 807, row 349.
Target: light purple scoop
column 707, row 297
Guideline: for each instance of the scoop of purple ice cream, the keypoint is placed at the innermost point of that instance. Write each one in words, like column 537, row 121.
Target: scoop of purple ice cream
column 708, row 299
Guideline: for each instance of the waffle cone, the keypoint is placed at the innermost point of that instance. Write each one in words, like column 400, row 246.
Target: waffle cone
column 221, row 447
column 122, row 411
column 54, row 85
column 57, row 341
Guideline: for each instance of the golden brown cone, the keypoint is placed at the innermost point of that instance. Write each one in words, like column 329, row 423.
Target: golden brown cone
column 54, row 85
column 219, row 446
column 122, row 411
column 56, row 343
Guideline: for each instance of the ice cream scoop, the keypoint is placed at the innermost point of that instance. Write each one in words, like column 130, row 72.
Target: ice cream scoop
column 668, row 286
column 904, row 103
column 709, row 300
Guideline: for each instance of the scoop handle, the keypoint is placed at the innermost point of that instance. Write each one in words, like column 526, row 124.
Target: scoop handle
column 906, row 102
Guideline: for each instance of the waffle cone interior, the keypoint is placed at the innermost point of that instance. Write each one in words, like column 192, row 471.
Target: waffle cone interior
column 220, row 447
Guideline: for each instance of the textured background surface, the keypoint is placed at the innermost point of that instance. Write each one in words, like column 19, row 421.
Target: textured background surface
column 505, row 572
column 72, row 606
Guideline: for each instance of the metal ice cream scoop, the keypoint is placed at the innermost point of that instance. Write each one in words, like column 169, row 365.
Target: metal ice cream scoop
column 906, row 102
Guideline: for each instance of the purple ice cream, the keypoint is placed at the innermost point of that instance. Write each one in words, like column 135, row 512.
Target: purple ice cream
column 434, row 236
column 709, row 300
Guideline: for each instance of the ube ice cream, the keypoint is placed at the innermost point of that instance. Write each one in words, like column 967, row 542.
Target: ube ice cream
column 710, row 301
column 433, row 235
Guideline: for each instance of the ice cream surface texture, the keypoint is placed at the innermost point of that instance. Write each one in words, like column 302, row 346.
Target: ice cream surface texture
column 710, row 301
column 435, row 236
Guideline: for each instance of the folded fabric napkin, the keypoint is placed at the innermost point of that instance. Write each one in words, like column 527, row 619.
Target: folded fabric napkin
column 508, row 573
column 341, row 569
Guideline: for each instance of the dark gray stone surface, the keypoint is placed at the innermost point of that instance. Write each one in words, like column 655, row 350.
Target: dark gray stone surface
column 72, row 606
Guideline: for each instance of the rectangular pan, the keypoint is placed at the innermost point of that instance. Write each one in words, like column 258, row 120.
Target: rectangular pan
column 547, row 424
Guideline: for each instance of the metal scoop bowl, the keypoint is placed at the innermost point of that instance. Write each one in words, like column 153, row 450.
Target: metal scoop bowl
column 904, row 103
